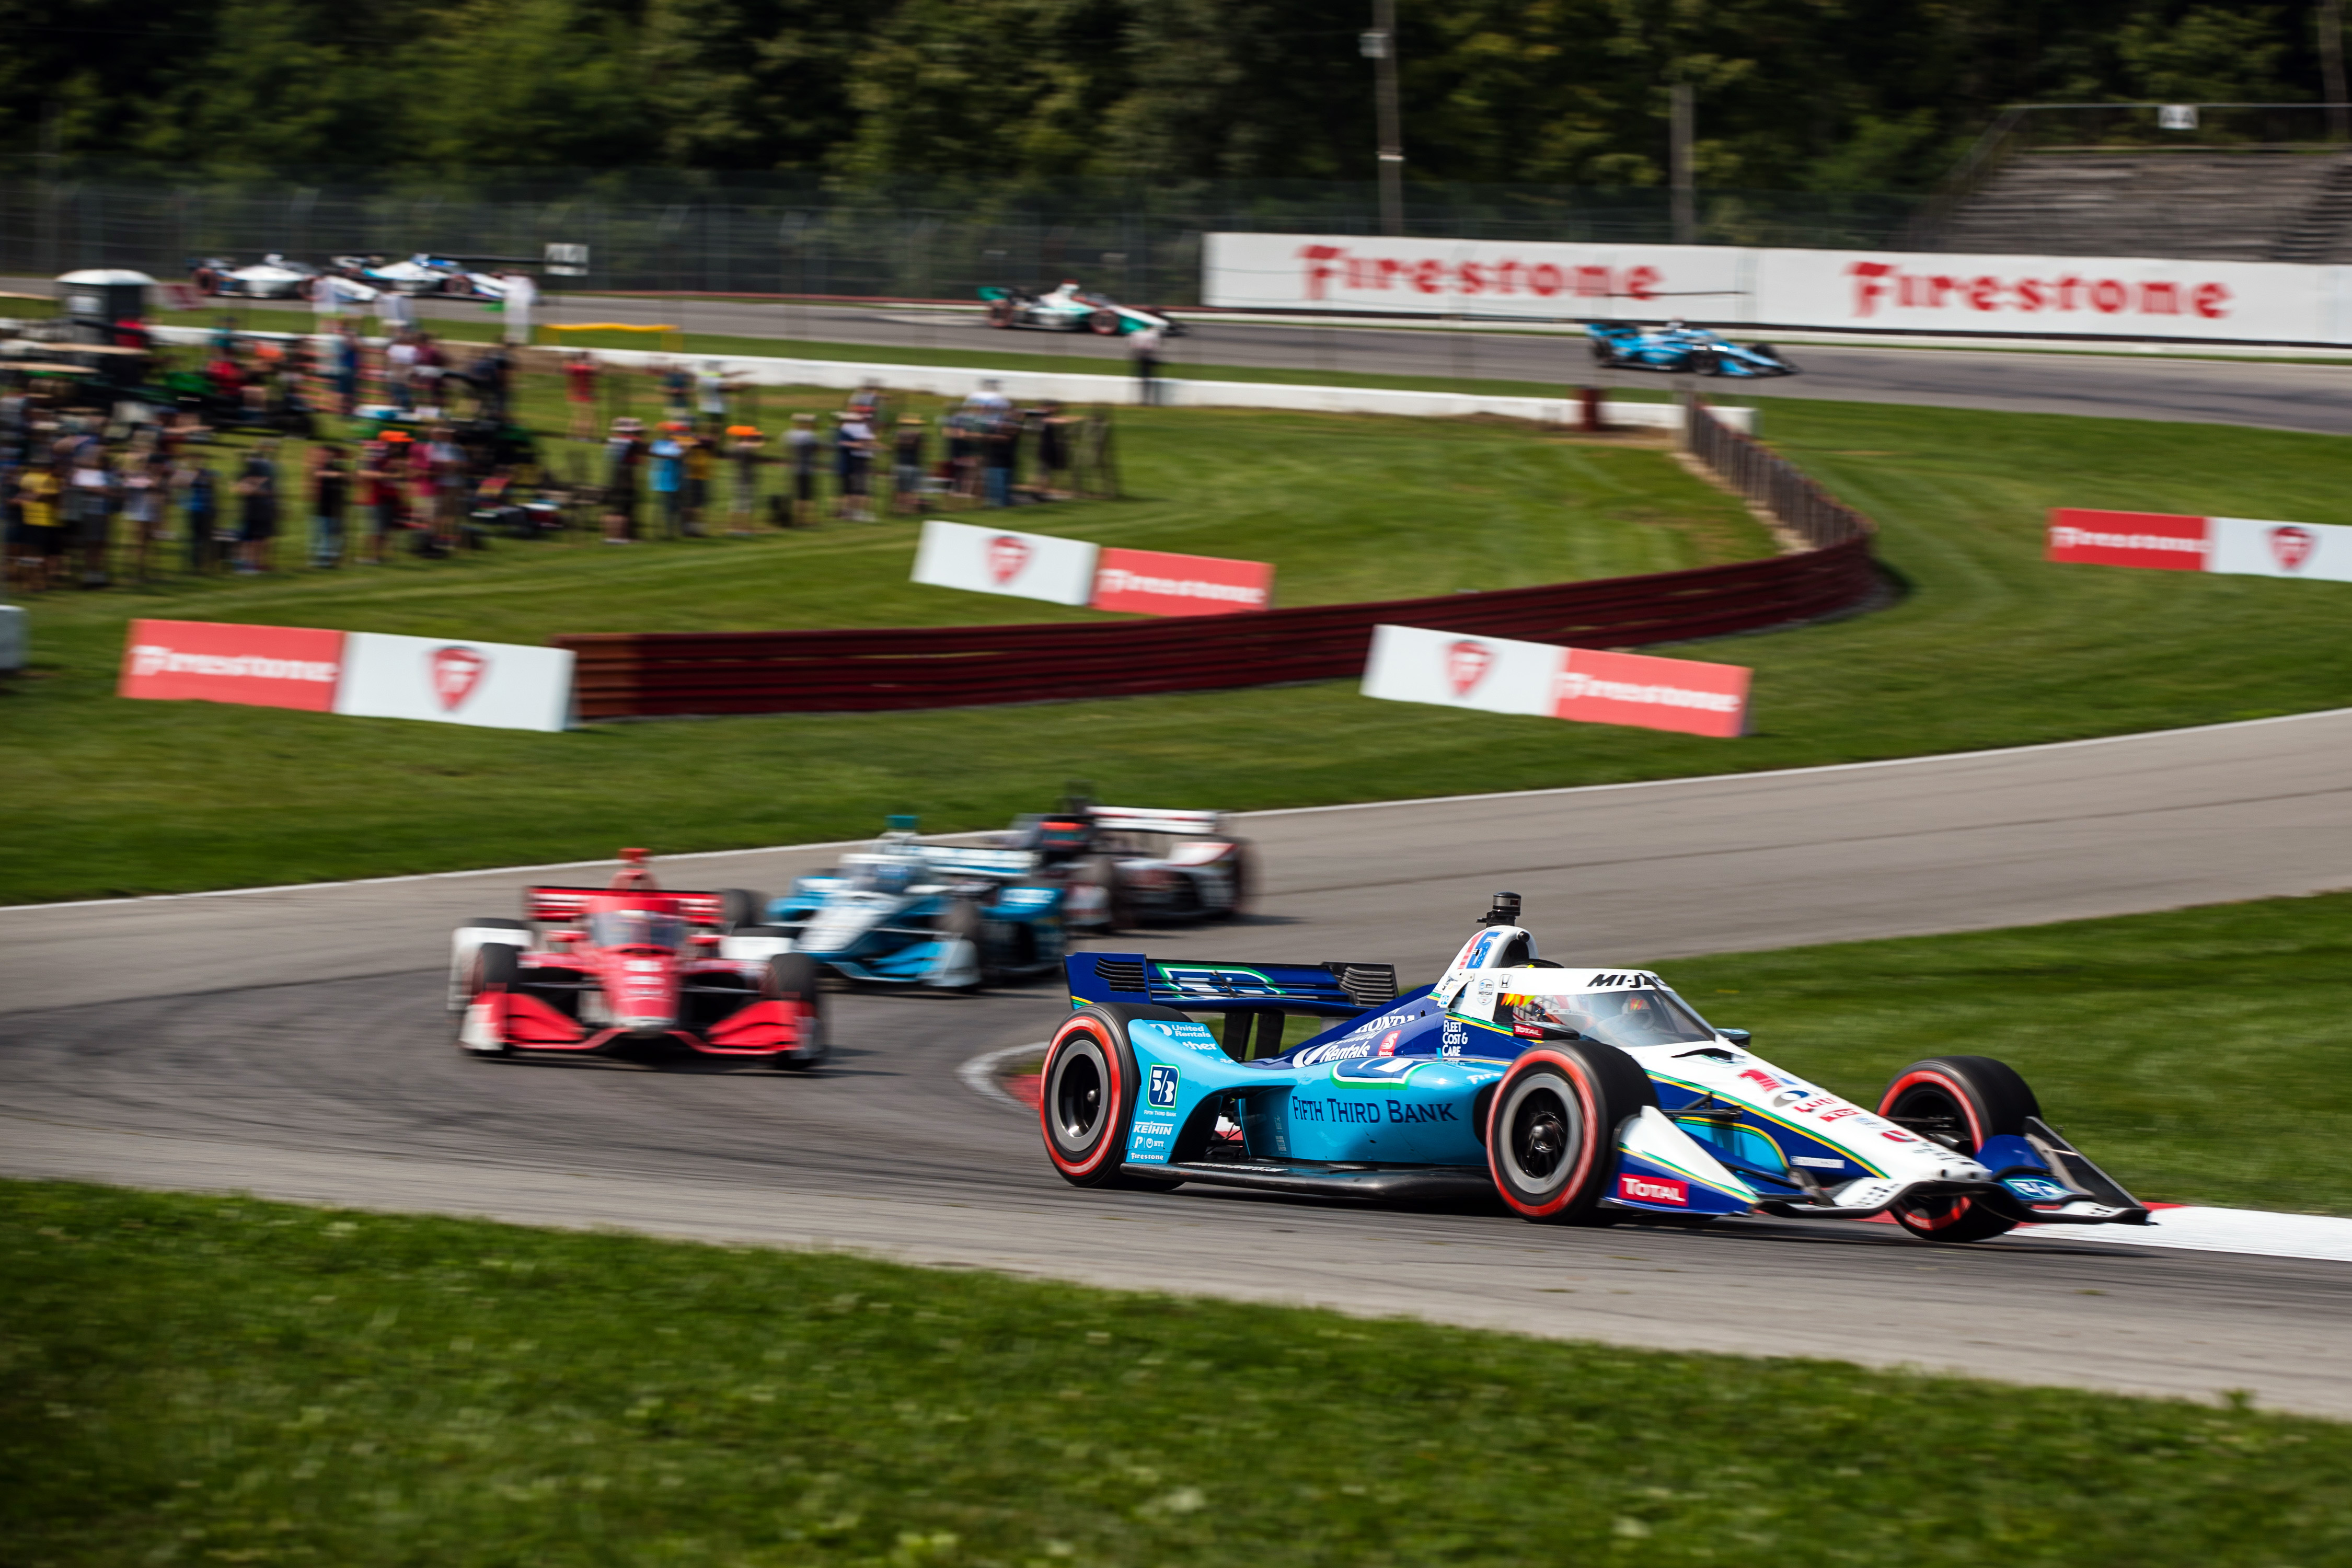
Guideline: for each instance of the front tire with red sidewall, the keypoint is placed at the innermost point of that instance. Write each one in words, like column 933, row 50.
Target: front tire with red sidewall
column 794, row 977
column 1959, row 1100
column 1551, row 1130
column 1087, row 1098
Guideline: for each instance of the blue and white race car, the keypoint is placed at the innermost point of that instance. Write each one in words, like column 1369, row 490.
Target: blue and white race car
column 1067, row 307
column 956, row 916
column 1578, row 1095
column 948, row 916
column 1676, row 347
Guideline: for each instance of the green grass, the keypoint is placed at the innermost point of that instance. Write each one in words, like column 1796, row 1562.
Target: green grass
column 195, row 1381
column 1991, row 646
column 2197, row 1054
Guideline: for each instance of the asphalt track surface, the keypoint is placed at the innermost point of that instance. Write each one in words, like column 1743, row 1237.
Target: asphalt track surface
column 293, row 1042
column 2266, row 393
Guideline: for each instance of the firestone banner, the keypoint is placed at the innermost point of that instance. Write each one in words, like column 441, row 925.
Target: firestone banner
column 1003, row 561
column 1504, row 675
column 1160, row 582
column 500, row 686
column 2166, row 542
column 1741, row 287
column 495, row 684
column 255, row 667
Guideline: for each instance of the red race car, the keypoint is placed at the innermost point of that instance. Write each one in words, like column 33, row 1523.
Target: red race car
column 633, row 966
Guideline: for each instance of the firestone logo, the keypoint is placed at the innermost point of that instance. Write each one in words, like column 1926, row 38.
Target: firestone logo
column 1466, row 664
column 2291, row 546
column 1329, row 266
column 1006, row 556
column 454, row 672
column 1877, row 283
column 155, row 658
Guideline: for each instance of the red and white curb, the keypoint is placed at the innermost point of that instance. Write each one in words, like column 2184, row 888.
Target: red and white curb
column 2192, row 1227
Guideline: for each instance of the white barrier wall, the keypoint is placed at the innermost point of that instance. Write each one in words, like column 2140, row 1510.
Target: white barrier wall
column 2131, row 297
column 958, row 381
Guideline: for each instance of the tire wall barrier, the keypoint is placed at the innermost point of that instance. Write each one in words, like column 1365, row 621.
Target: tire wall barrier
column 632, row 675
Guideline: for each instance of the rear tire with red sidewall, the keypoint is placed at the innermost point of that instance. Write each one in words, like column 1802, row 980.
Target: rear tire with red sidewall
column 1087, row 1098
column 1967, row 1100
column 1551, row 1130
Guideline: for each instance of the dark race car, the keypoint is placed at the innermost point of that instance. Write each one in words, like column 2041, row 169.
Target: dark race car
column 1676, row 347
column 631, row 967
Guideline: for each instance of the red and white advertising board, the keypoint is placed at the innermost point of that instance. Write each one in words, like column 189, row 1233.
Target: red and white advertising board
column 2240, row 546
column 1005, row 561
column 501, row 686
column 1157, row 583
column 1504, row 675
column 1738, row 287
column 208, row 661
column 496, row 684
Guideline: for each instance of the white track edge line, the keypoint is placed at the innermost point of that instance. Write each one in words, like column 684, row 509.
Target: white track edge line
column 979, row 1073
column 1923, row 757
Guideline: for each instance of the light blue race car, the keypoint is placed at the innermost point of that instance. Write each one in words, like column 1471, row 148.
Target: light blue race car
column 948, row 916
column 1676, row 347
column 1577, row 1096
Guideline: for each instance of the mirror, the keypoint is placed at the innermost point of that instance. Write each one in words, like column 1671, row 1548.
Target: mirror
column 1737, row 1037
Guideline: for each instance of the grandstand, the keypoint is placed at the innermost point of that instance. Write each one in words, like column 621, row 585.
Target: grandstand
column 2268, row 206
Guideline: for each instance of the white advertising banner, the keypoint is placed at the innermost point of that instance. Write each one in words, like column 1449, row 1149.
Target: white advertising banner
column 2130, row 297
column 2258, row 548
column 1473, row 277
column 1452, row 669
column 2135, row 297
column 501, row 686
column 1001, row 561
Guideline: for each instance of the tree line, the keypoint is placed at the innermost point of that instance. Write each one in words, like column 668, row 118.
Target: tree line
column 1801, row 95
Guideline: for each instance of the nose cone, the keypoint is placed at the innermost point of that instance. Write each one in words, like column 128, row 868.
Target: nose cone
column 645, row 996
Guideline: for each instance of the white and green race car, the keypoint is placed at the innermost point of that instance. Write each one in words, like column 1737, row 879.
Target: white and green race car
column 1070, row 309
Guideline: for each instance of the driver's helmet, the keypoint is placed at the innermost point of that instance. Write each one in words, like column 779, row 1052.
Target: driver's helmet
column 1530, row 1015
column 1677, row 325
column 1635, row 1016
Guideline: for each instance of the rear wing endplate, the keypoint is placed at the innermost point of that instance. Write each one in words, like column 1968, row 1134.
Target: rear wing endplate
column 1332, row 989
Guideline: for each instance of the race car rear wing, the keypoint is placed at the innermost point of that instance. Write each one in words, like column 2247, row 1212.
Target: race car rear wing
column 1149, row 819
column 1333, row 989
column 565, row 905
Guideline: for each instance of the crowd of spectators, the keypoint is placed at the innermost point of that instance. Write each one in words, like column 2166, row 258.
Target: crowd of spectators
column 262, row 454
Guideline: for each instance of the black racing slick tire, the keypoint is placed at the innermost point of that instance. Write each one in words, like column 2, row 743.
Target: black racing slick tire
column 495, row 963
column 740, row 907
column 794, row 977
column 1603, row 355
column 1959, row 1101
column 1105, row 323
column 1706, row 362
column 1551, row 1130
column 1087, row 1098
column 961, row 919
column 1244, row 884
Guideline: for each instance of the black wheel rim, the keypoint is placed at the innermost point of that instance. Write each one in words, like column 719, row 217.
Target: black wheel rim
column 1933, row 1114
column 1542, row 1138
column 1078, row 1098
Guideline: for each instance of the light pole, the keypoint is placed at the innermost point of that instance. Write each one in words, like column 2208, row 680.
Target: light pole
column 1379, row 46
column 1679, row 154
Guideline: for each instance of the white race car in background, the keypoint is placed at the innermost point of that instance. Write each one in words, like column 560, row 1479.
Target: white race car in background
column 271, row 278
column 1070, row 309
column 427, row 274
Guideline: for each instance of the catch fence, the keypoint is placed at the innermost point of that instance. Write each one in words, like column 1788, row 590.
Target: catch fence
column 700, row 233
column 1773, row 482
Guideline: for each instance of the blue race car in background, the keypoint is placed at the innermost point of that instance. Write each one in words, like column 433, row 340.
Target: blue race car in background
column 1578, row 1095
column 1676, row 347
column 906, row 912
column 957, row 916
